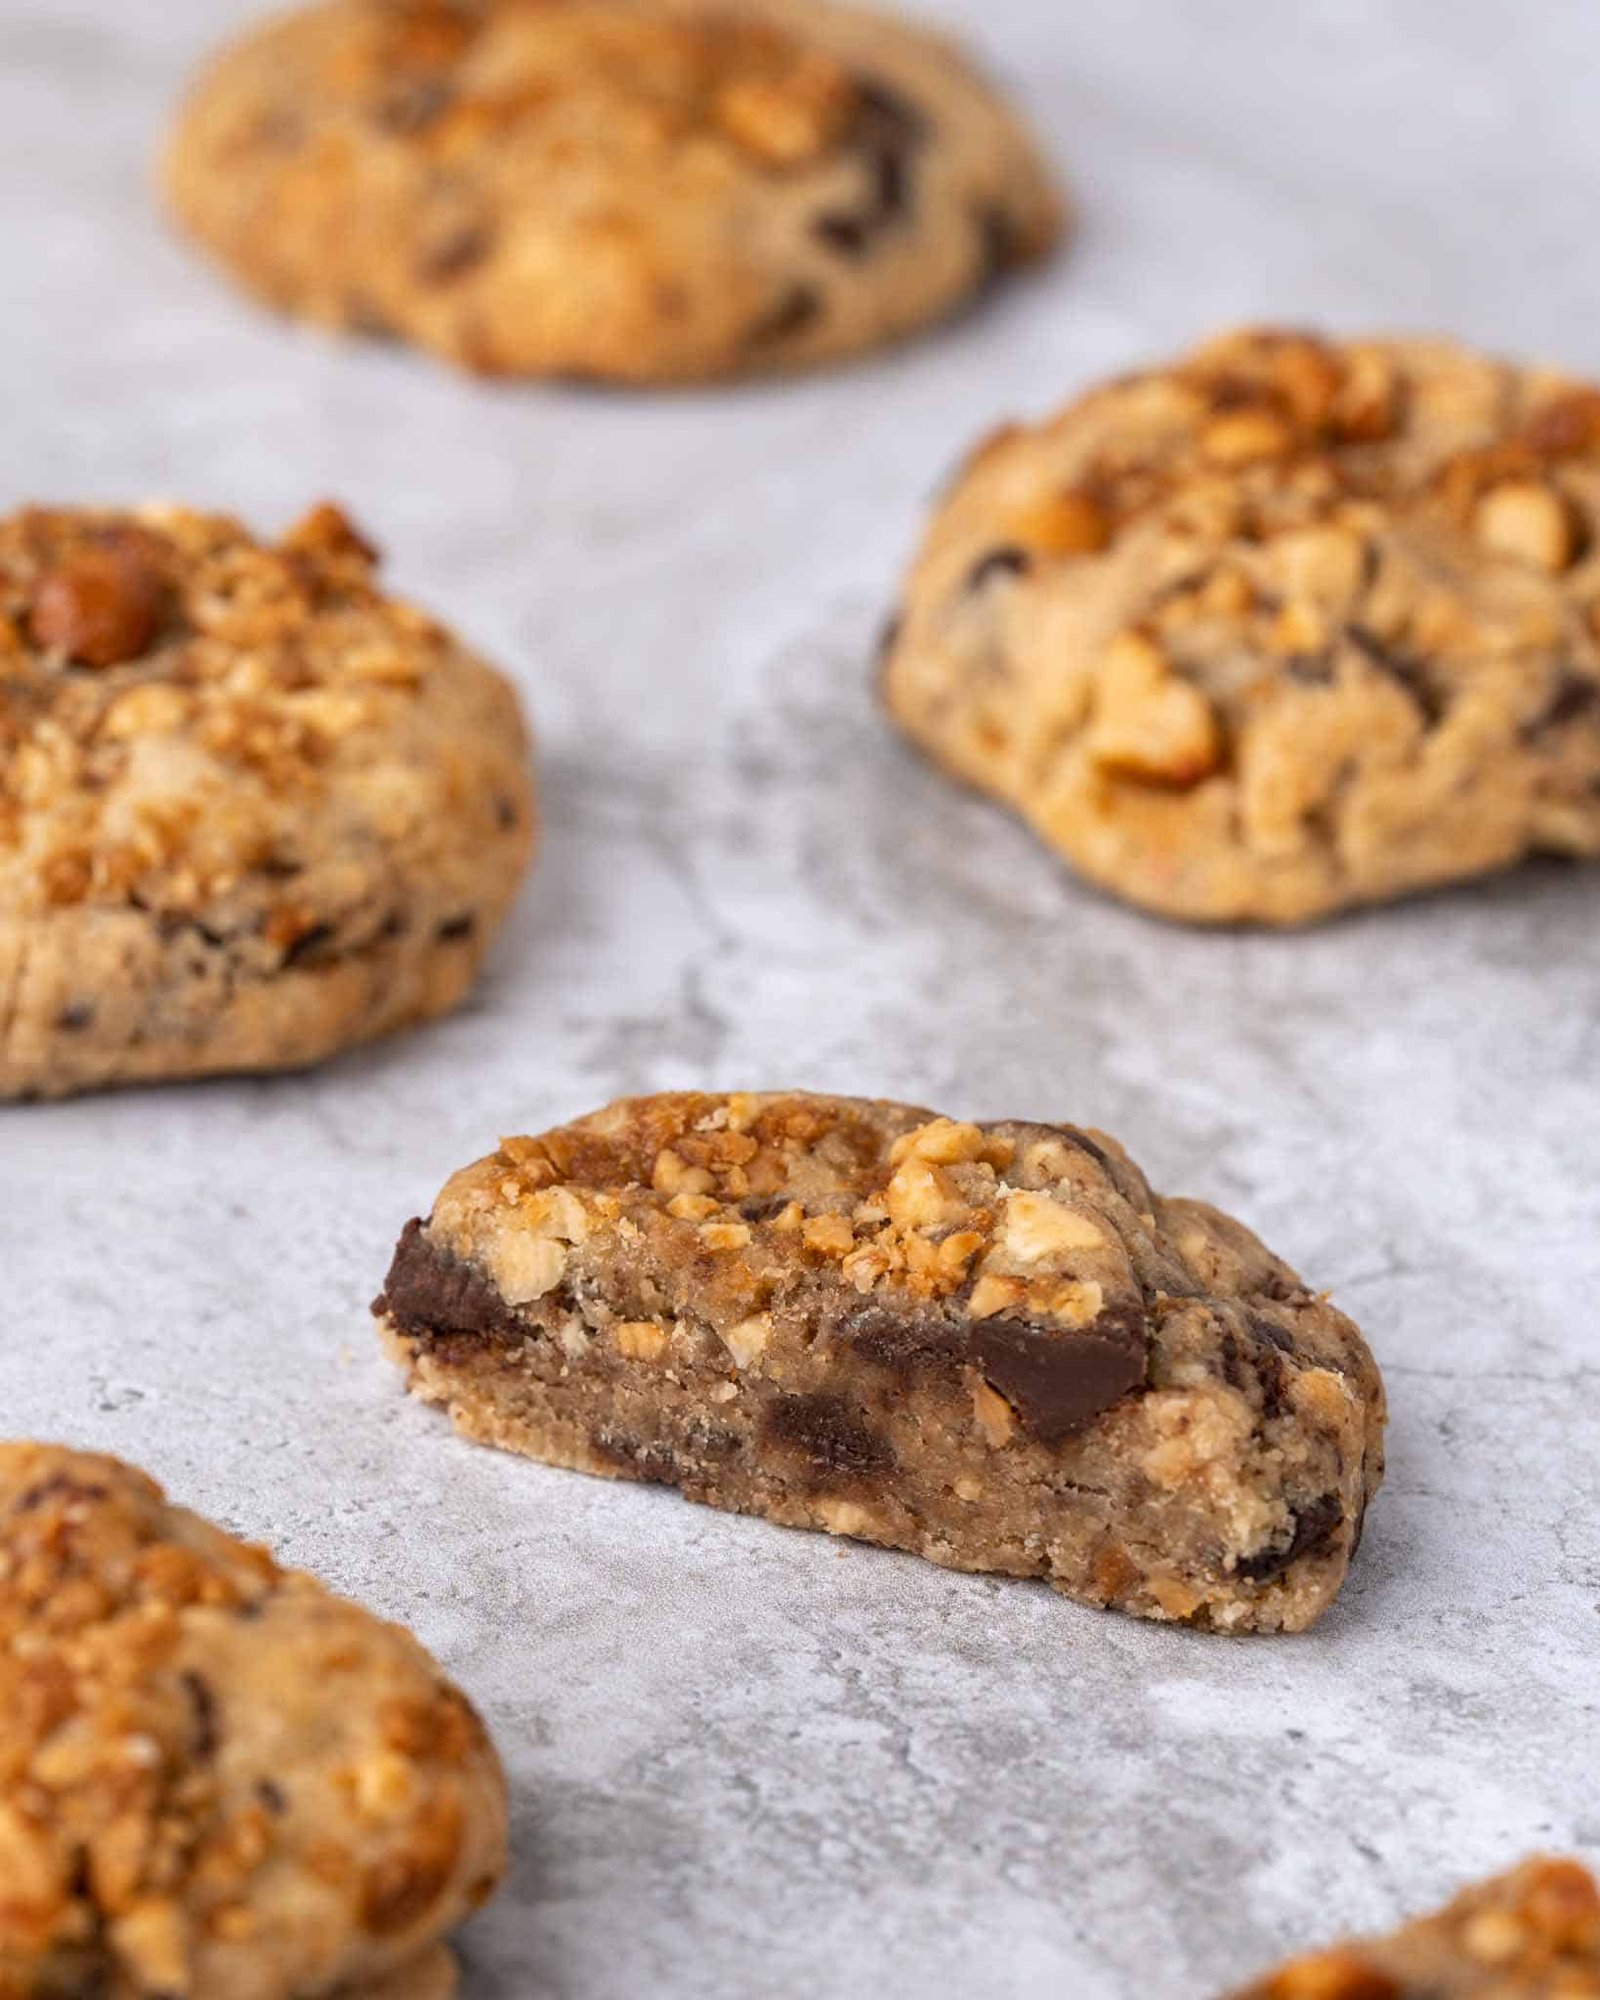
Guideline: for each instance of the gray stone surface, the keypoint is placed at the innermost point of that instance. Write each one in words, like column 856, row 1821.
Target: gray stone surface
column 752, row 1762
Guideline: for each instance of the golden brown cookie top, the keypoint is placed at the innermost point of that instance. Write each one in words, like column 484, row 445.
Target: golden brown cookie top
column 217, row 1780
column 197, row 724
column 727, row 187
column 1533, row 1934
column 1224, row 603
column 1038, row 1253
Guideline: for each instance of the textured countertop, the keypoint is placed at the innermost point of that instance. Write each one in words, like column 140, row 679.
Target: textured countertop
column 748, row 1761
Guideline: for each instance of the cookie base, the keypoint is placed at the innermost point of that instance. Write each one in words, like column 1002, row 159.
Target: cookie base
column 1099, row 1542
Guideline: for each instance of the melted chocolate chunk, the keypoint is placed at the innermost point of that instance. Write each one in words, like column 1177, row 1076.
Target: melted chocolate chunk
column 456, row 928
column 829, row 1435
column 1059, row 1379
column 1315, row 1525
column 431, row 1292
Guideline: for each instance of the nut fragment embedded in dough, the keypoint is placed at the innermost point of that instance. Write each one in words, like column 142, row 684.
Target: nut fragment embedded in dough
column 637, row 190
column 1531, row 1934
column 217, row 1780
column 991, row 1344
column 1326, row 631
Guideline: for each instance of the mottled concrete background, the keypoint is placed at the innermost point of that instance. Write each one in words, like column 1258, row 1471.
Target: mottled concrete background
column 751, row 1762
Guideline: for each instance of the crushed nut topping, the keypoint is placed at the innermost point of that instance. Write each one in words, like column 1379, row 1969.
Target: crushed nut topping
column 195, row 1744
column 1288, row 625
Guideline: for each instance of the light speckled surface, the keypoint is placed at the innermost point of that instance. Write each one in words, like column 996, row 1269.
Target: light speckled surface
column 749, row 1761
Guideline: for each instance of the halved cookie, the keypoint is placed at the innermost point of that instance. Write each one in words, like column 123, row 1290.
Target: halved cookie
column 1532, row 1934
column 640, row 190
column 989, row 1344
column 1287, row 626
column 252, row 810
column 217, row 1780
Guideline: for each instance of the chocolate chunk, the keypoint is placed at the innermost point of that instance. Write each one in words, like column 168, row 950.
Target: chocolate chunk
column 1008, row 560
column 829, row 1434
column 414, row 105
column 308, row 945
column 1310, row 669
column 907, row 1343
column 1402, row 669
column 1315, row 1525
column 1000, row 247
column 763, row 1207
column 272, row 1796
column 73, row 1019
column 798, row 308
column 886, row 113
column 845, row 233
column 456, row 928
column 430, row 1291
column 651, row 1463
column 456, row 252
column 1059, row 1379
column 888, row 131
column 1573, row 695
column 207, row 1735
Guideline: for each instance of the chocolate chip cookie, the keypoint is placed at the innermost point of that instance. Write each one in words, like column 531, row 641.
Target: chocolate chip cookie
column 1288, row 626
column 1533, row 1934
column 635, row 190
column 990, row 1344
column 251, row 810
column 217, row 1780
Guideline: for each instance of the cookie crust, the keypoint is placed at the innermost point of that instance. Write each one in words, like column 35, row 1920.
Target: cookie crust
column 217, row 1779
column 993, row 1345
column 251, row 810
column 1289, row 626
column 633, row 190
column 1532, row 1934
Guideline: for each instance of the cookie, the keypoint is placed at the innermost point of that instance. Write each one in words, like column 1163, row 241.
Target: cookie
column 1533, row 1934
column 251, row 810
column 217, row 1780
column 633, row 190
column 992, row 1345
column 1289, row 626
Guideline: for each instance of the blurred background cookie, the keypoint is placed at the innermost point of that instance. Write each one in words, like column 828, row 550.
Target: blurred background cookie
column 1290, row 625
column 216, row 1778
column 251, row 810
column 1530, row 1934
column 638, row 190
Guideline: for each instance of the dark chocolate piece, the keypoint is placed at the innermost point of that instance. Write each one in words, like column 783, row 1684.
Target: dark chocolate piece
column 429, row 1292
column 1059, row 1379
column 1315, row 1525
column 828, row 1434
